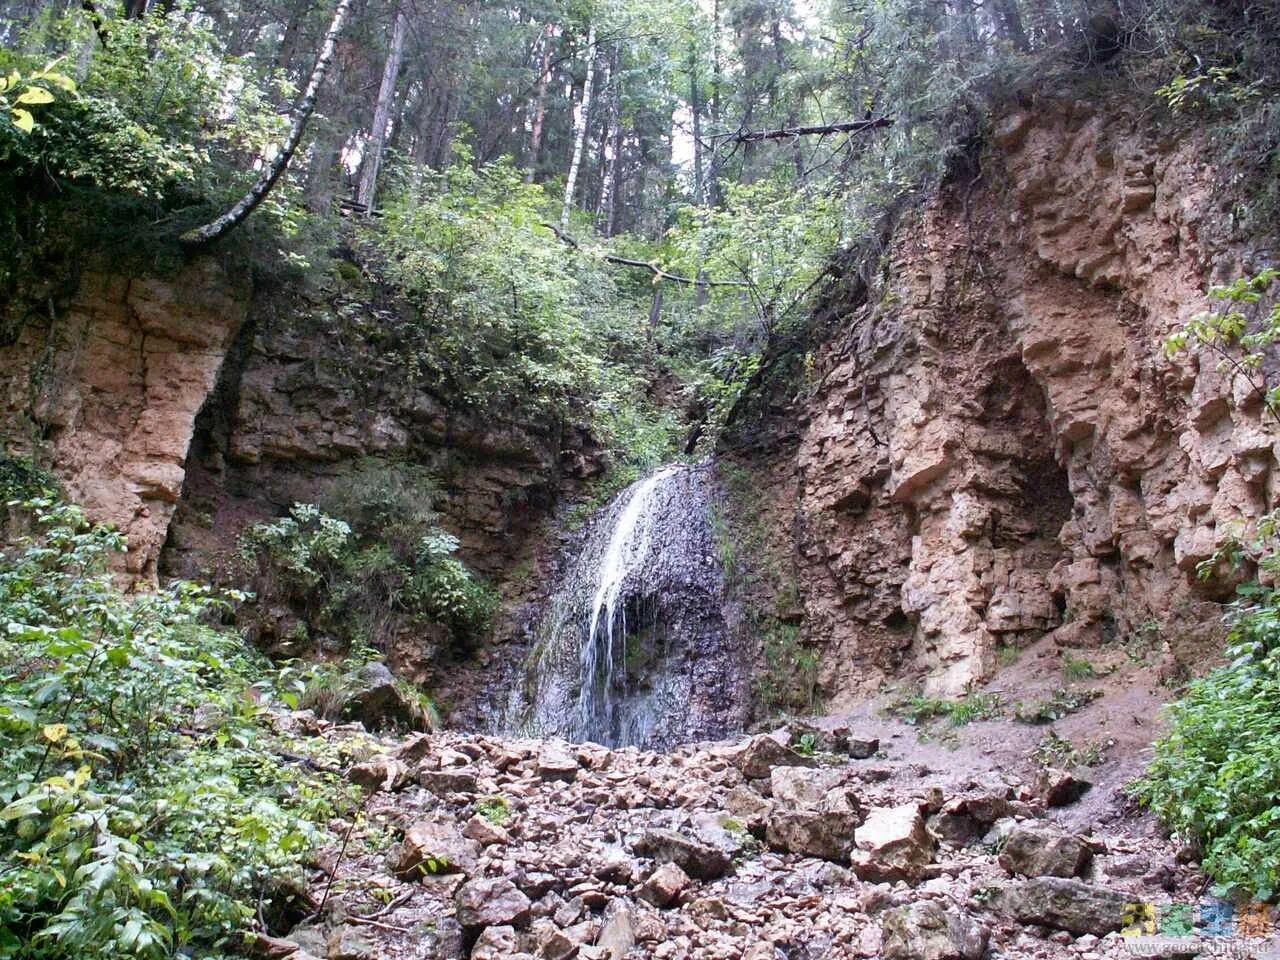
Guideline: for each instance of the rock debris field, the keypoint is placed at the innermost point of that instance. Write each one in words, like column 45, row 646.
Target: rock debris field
column 488, row 848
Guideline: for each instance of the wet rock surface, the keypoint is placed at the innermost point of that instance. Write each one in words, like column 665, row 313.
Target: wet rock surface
column 632, row 647
column 649, row 855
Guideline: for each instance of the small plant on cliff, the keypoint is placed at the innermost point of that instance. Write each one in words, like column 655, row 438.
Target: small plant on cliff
column 143, row 808
column 1241, row 335
column 919, row 709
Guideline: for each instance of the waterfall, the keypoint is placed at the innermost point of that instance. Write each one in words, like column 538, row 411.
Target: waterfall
column 632, row 646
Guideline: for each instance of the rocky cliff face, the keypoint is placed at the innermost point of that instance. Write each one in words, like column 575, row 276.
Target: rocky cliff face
column 311, row 389
column 109, row 387
column 992, row 444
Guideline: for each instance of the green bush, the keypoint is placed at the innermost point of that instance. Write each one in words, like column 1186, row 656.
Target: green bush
column 144, row 810
column 386, row 566
column 1216, row 773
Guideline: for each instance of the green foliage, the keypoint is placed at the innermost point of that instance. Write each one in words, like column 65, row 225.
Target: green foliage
column 145, row 810
column 1216, row 773
column 788, row 682
column 1077, row 668
column 918, row 709
column 494, row 809
column 19, row 94
column 505, row 316
column 161, row 109
column 1055, row 750
column 1242, row 334
column 390, row 568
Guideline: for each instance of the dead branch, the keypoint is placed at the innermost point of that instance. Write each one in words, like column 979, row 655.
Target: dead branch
column 653, row 268
column 791, row 133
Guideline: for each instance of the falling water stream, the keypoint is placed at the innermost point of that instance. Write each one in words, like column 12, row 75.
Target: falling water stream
column 632, row 646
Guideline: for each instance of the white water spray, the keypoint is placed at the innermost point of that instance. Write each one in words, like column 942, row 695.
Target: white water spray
column 627, row 551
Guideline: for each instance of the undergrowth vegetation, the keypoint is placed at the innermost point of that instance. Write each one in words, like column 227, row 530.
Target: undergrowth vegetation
column 1216, row 773
column 145, row 808
column 373, row 562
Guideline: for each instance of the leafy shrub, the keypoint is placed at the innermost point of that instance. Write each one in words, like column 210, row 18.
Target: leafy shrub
column 143, row 807
column 388, row 566
column 1216, row 773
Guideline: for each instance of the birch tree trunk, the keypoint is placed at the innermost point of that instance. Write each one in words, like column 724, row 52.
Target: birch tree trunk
column 580, row 130
column 224, row 224
column 382, row 113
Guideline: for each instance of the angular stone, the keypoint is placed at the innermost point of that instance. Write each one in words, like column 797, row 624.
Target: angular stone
column 493, row 901
column 555, row 762
column 1064, row 904
column 382, row 772
column 892, row 844
column 761, row 754
column 552, row 942
column 929, row 931
column 748, row 806
column 813, row 832
column 485, row 833
column 443, row 782
column 617, row 937
column 1059, row 787
column 350, row 943
column 496, row 943
column 803, row 785
column 1042, row 850
column 863, row 748
column 701, row 860
column 435, row 846
column 445, row 940
column 664, row 885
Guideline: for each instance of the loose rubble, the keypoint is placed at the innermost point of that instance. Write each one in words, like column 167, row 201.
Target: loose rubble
column 480, row 847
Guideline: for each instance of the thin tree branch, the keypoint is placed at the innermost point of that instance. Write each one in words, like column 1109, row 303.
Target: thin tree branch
column 653, row 268
column 790, row 133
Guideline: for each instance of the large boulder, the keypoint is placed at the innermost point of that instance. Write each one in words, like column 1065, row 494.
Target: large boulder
column 491, row 902
column 892, row 844
column 374, row 699
column 1064, row 904
column 803, row 785
column 1057, row 788
column 1042, row 850
column 381, row 772
column 813, row 832
column 696, row 857
column 761, row 754
column 929, row 931
column 435, row 846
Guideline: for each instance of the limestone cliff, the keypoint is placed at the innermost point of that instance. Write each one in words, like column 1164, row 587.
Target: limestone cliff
column 107, row 389
column 991, row 444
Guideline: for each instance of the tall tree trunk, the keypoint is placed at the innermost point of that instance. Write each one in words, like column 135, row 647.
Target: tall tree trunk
column 1011, row 24
column 224, row 224
column 580, row 125
column 615, row 173
column 540, row 103
column 372, row 161
column 780, row 63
